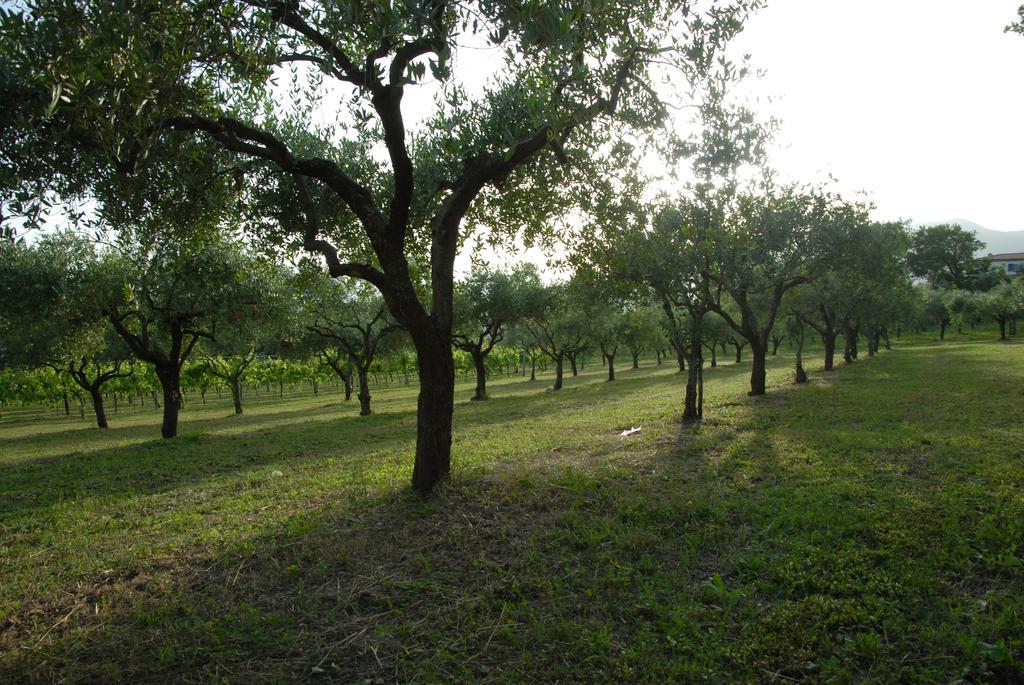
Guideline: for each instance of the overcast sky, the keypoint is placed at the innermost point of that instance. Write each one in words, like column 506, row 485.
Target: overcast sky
column 918, row 102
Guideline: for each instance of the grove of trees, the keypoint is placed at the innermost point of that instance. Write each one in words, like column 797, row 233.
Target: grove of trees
column 240, row 194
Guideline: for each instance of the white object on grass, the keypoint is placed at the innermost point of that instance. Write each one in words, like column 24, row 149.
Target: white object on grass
column 630, row 431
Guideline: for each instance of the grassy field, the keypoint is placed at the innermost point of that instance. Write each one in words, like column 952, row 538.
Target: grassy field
column 866, row 527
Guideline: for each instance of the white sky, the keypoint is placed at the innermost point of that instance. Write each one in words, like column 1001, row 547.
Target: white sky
column 918, row 102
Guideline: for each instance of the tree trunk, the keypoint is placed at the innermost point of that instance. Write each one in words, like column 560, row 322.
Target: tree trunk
column 533, row 368
column 572, row 362
column 610, row 358
column 942, row 330
column 851, row 343
column 170, row 382
column 97, row 405
column 714, row 355
column 636, row 358
column 1002, row 329
column 829, row 339
column 758, row 372
column 801, row 374
column 693, row 409
column 435, row 406
column 67, row 404
column 739, row 353
column 364, row 391
column 236, row 394
column 481, row 375
column 558, row 374
column 348, row 387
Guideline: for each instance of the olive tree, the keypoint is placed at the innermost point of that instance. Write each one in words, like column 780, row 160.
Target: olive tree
column 486, row 302
column 164, row 299
column 757, row 254
column 238, row 340
column 50, row 315
column 354, row 320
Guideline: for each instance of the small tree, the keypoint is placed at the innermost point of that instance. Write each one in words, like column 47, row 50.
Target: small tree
column 49, row 314
column 485, row 303
column 558, row 327
column 1003, row 304
column 353, row 320
column 641, row 331
column 229, row 355
column 162, row 301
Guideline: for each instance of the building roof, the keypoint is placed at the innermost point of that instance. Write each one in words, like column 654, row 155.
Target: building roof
column 1007, row 257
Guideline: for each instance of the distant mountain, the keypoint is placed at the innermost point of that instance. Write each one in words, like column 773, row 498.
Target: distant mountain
column 995, row 241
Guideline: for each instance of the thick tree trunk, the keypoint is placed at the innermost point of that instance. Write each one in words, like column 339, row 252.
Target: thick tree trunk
column 558, row 374
column 572, row 362
column 739, row 353
column 1002, row 329
column 610, row 359
column 364, row 391
column 852, row 334
column 435, row 407
column 348, row 387
column 97, row 405
column 636, row 358
column 170, row 382
column 236, row 395
column 829, row 339
column 758, row 369
column 481, row 376
column 693, row 401
column 67, row 404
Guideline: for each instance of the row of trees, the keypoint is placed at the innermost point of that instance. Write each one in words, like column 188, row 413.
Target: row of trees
column 179, row 127
column 211, row 313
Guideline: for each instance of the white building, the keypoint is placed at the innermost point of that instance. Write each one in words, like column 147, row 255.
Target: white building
column 1010, row 262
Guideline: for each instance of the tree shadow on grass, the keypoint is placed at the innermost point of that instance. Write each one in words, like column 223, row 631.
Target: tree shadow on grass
column 552, row 571
column 458, row 587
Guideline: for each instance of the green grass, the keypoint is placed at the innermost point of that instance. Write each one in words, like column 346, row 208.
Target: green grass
column 866, row 527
